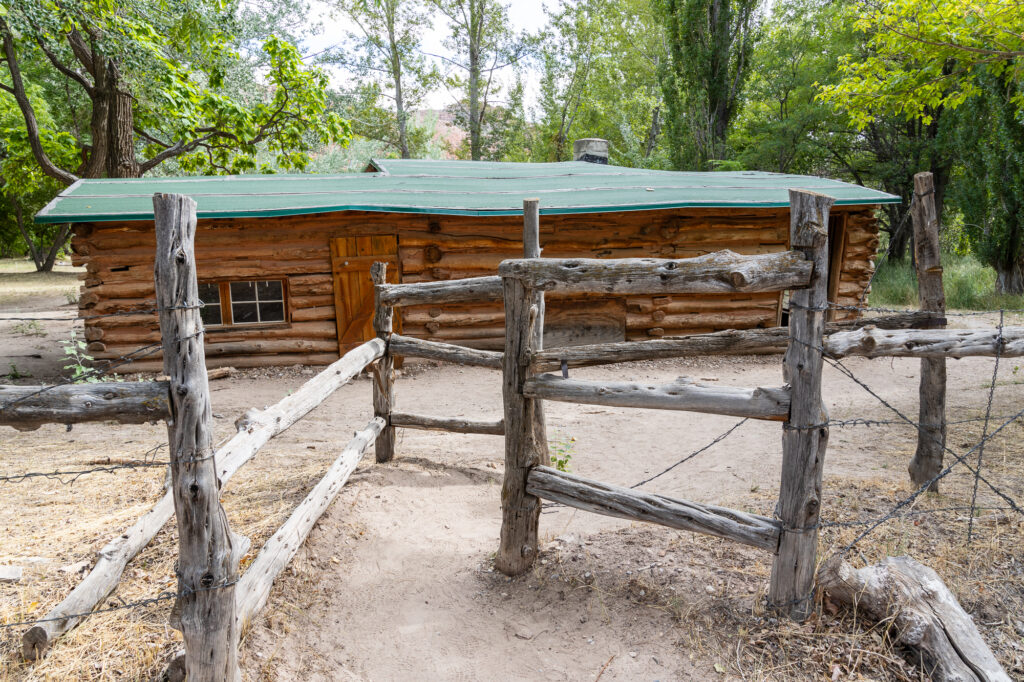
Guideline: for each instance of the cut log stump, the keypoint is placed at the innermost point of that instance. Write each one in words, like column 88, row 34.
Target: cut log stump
column 927, row 617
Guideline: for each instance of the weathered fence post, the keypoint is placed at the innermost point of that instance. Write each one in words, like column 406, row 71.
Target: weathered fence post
column 805, row 433
column 931, row 437
column 207, row 564
column 384, row 369
column 526, row 442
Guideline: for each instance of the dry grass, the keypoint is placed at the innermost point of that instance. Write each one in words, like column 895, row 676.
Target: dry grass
column 21, row 285
column 54, row 531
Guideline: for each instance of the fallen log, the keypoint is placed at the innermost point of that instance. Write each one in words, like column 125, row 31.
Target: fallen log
column 254, row 430
column 254, row 586
column 26, row 408
column 612, row 500
column 456, row 425
column 721, row 272
column 926, row 616
column 682, row 394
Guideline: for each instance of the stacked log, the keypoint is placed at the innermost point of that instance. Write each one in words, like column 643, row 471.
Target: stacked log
column 118, row 278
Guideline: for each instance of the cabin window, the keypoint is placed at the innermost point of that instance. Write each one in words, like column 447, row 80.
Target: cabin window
column 242, row 302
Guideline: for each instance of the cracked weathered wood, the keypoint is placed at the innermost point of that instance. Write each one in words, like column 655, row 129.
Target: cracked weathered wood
column 409, row 347
column 254, row 587
column 920, row 611
column 26, row 408
column 254, row 430
column 612, row 500
column 447, row 291
column 805, row 433
column 729, row 342
column 682, row 394
column 526, row 443
column 384, row 370
column 207, row 566
column 931, row 438
column 454, row 424
column 927, row 343
column 722, row 272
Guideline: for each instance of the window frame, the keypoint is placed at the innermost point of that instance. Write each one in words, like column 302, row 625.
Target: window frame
column 226, row 316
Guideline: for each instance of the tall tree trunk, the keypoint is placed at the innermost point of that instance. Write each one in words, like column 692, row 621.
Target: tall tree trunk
column 396, row 77
column 121, row 161
column 653, row 132
column 1010, row 277
column 96, row 165
column 43, row 263
column 476, row 20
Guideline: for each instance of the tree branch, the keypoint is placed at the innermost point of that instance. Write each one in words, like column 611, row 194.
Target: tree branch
column 28, row 113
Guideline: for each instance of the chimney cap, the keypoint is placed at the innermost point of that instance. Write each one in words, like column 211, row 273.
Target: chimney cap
column 590, row 149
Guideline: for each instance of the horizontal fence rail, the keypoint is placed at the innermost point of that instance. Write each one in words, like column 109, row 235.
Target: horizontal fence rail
column 722, row 272
column 455, row 424
column 26, row 408
column 448, row 291
column 729, row 342
column 927, row 343
column 612, row 500
column 683, row 394
column 409, row 347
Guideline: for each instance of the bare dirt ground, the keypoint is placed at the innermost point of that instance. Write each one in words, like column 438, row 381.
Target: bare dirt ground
column 396, row 582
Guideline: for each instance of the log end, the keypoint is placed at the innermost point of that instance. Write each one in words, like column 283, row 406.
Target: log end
column 34, row 643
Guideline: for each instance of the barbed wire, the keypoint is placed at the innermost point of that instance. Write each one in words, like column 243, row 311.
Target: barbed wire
column 68, row 477
column 984, row 428
column 163, row 596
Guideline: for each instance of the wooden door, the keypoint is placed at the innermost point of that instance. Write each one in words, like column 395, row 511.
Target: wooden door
column 351, row 258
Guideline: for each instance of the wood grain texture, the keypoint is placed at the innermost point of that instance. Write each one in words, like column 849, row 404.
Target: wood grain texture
column 805, row 433
column 278, row 551
column 624, row 503
column 26, row 408
column 931, row 438
column 384, row 369
column 207, row 565
column 406, row 346
column 927, row 343
column 714, row 273
column 454, row 424
column 920, row 611
column 683, row 394
column 452, row 291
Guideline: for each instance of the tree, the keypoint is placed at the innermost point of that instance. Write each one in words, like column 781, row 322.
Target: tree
column 599, row 78
column 150, row 78
column 389, row 60
column 921, row 63
column 480, row 46
column 709, row 45
column 991, row 192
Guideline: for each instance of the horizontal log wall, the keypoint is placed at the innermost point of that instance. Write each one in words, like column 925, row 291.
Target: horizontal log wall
column 118, row 259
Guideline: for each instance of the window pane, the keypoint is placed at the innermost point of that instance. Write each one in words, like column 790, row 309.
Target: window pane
column 271, row 312
column 243, row 291
column 209, row 295
column 269, row 290
column 244, row 312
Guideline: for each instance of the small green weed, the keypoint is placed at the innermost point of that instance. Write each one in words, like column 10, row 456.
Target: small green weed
column 29, row 328
column 15, row 374
column 72, row 296
column 80, row 363
column 561, row 452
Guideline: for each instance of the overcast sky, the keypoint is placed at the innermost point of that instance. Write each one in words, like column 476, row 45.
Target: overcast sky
column 525, row 15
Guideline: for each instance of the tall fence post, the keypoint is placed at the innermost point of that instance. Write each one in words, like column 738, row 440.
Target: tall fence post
column 805, row 433
column 207, row 563
column 526, row 442
column 931, row 437
column 384, row 370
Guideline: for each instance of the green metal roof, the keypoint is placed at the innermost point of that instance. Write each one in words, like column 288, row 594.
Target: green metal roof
column 447, row 188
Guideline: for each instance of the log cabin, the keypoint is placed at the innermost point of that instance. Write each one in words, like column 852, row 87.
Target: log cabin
column 283, row 260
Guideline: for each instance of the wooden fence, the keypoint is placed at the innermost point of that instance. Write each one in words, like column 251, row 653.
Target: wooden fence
column 213, row 604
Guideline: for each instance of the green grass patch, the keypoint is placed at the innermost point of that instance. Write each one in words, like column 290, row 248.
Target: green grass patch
column 969, row 285
column 21, row 285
